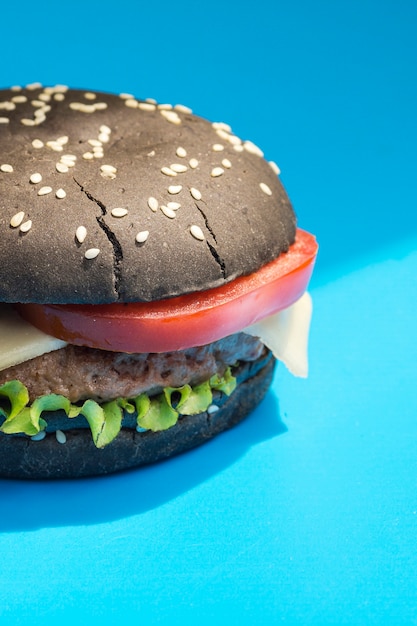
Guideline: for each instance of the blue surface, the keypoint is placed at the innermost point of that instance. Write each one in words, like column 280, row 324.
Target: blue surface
column 307, row 512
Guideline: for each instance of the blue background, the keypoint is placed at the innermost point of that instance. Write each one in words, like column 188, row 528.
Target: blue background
column 307, row 512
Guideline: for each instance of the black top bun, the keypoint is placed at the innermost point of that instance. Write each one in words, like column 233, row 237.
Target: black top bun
column 83, row 172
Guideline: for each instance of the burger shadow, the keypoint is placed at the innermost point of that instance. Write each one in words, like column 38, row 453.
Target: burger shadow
column 31, row 505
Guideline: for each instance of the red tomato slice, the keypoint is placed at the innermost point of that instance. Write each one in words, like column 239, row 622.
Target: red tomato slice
column 185, row 321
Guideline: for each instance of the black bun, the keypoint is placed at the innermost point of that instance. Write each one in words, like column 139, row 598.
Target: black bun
column 20, row 457
column 124, row 151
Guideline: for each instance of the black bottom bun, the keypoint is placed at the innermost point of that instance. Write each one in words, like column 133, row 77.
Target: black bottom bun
column 20, row 457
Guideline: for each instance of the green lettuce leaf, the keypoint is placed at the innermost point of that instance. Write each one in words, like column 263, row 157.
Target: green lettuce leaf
column 226, row 383
column 142, row 404
column 18, row 396
column 197, row 400
column 22, row 423
column 113, row 415
column 159, row 416
column 105, row 420
column 52, row 402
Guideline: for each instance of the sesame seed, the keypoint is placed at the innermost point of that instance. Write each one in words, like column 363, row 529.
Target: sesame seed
column 94, row 142
column 168, row 171
column 196, row 194
column 126, row 96
column 171, row 116
column 61, row 436
column 252, row 148
column 16, row 88
column 238, row 147
column 275, row 168
column 213, row 408
column 59, row 97
column 131, row 103
column 234, row 140
column 142, row 236
column 33, row 86
column 146, row 106
column 7, row 105
column 60, row 194
column 196, row 232
column 265, row 189
column 21, row 99
column 151, row 100
column 226, row 163
column 88, row 156
column 68, row 159
column 28, row 122
column 164, row 107
column 221, row 126
column 43, row 191
column 81, row 234
column 62, row 168
column 54, row 145
column 168, row 212
column 105, row 129
column 5, row 167
column 44, row 97
column 82, row 107
column 119, row 212
column 4, row 120
column 174, row 189
column 181, row 152
column 173, row 205
column 178, row 167
column 100, row 106
column 109, row 169
column 223, row 134
column 90, row 96
column 91, row 253
column 40, row 118
column 103, row 137
column 62, row 140
column 37, row 143
column 217, row 147
column 193, row 163
column 153, row 204
column 35, row 178
column 60, row 88
column 217, row 171
column 39, row 436
column 17, row 219
column 183, row 108
column 26, row 226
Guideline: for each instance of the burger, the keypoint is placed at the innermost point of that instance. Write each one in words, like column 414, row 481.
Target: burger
column 151, row 275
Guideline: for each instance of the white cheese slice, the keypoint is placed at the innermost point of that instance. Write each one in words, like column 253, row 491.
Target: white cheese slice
column 20, row 341
column 286, row 335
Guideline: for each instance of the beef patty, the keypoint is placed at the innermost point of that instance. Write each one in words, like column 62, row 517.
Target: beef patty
column 80, row 373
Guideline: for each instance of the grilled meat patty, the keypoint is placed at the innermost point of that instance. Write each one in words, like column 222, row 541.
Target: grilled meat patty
column 80, row 373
